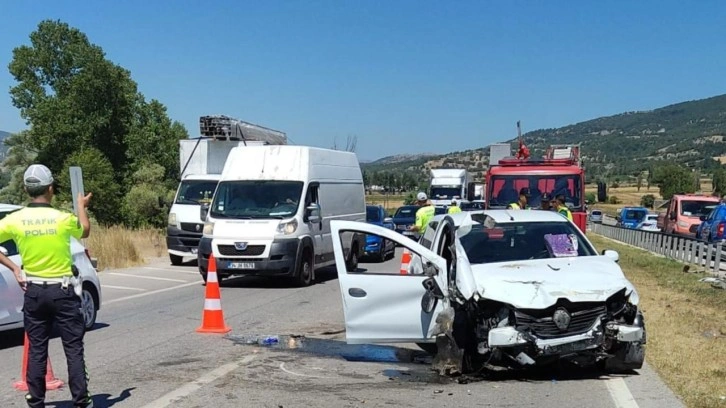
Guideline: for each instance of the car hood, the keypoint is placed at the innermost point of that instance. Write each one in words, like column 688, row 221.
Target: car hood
column 538, row 284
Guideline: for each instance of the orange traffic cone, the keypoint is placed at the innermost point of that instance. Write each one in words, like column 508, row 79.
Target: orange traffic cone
column 212, row 317
column 405, row 261
column 51, row 383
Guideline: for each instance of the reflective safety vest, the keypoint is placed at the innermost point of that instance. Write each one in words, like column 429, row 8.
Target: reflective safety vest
column 565, row 212
column 454, row 209
column 423, row 216
column 516, row 206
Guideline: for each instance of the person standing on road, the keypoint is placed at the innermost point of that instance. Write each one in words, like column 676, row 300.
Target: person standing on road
column 454, row 207
column 562, row 208
column 423, row 215
column 43, row 237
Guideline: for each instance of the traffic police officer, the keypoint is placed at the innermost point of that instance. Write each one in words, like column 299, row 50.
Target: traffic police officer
column 424, row 214
column 522, row 203
column 43, row 237
column 562, row 208
column 454, row 207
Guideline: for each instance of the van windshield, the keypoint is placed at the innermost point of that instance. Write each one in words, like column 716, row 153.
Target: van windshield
column 696, row 208
column 196, row 191
column 256, row 199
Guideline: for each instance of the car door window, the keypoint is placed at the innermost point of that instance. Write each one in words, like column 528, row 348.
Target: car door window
column 388, row 259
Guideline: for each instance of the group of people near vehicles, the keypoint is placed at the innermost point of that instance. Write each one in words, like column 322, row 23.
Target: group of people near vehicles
column 548, row 203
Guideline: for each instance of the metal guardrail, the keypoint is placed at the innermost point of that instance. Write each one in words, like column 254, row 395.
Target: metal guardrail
column 684, row 249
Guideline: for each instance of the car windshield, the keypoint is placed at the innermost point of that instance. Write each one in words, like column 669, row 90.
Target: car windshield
column 373, row 214
column 596, row 212
column 634, row 215
column 406, row 212
column 695, row 208
column 445, row 192
column 196, row 191
column 504, row 189
column 489, row 242
column 256, row 199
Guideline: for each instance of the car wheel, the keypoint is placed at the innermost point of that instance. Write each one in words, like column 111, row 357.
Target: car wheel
column 430, row 348
column 88, row 308
column 176, row 260
column 305, row 270
column 352, row 262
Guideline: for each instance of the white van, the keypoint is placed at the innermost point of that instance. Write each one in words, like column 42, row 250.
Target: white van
column 184, row 229
column 271, row 212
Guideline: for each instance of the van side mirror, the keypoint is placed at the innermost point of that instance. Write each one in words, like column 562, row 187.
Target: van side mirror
column 611, row 254
column 203, row 212
column 4, row 251
column 312, row 213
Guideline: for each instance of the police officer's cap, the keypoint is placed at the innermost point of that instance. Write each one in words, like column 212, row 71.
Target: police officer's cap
column 421, row 196
column 37, row 175
column 524, row 191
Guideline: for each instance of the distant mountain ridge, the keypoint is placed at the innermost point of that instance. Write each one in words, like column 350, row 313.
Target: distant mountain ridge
column 689, row 133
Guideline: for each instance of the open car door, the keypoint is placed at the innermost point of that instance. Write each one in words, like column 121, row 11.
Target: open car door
column 387, row 302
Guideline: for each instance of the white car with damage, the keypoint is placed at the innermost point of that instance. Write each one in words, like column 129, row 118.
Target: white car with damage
column 496, row 288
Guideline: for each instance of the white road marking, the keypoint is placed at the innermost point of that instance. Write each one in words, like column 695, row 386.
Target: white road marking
column 282, row 367
column 152, row 268
column 146, row 277
column 620, row 393
column 123, row 288
column 190, row 387
column 153, row 292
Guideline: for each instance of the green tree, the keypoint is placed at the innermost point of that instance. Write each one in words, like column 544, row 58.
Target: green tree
column 19, row 157
column 719, row 181
column 647, row 200
column 146, row 204
column 673, row 179
column 99, row 179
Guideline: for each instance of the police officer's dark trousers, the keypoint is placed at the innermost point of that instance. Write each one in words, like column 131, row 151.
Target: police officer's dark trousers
column 44, row 304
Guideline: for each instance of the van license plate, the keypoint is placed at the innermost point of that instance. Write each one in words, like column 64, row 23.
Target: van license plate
column 241, row 265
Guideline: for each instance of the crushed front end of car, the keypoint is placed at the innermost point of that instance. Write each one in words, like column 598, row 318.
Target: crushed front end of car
column 609, row 334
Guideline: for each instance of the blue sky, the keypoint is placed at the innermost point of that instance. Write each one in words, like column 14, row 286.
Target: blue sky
column 403, row 76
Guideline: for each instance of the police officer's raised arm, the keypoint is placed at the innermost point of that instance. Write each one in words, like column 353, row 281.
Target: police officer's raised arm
column 6, row 233
column 85, row 224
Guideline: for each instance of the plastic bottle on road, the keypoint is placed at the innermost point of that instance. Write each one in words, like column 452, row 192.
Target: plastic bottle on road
column 270, row 340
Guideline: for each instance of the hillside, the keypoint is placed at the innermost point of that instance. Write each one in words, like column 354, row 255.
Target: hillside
column 691, row 133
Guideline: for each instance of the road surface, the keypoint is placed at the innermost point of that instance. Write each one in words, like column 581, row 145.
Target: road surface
column 145, row 353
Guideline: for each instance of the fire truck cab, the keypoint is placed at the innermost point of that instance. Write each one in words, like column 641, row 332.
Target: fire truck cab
column 558, row 172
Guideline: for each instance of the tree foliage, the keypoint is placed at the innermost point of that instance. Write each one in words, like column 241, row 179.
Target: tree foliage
column 86, row 111
column 673, row 179
column 719, row 181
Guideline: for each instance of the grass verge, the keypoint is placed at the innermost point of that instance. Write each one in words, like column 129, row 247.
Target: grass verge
column 118, row 247
column 686, row 324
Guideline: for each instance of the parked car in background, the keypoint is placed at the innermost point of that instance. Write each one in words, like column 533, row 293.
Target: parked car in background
column 631, row 217
column 596, row 216
column 404, row 218
column 11, row 295
column 377, row 247
column 711, row 228
column 650, row 223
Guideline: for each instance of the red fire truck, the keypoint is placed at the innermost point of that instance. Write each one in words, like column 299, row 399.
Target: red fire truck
column 559, row 171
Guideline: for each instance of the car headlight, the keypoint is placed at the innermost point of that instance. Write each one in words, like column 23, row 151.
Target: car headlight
column 172, row 219
column 616, row 303
column 287, row 227
column 208, row 229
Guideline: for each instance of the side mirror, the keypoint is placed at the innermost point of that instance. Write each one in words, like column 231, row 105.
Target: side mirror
column 673, row 216
column 203, row 212
column 611, row 254
column 313, row 213
column 702, row 218
column 4, row 251
column 428, row 302
column 388, row 220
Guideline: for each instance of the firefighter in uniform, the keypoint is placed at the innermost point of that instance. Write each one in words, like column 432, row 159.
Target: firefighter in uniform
column 562, row 208
column 43, row 237
column 522, row 203
column 424, row 214
column 454, row 207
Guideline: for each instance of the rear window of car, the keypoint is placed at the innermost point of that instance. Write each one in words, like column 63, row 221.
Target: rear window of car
column 596, row 212
column 406, row 212
column 519, row 241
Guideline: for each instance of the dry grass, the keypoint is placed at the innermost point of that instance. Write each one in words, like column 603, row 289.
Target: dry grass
column 686, row 323
column 118, row 247
column 389, row 202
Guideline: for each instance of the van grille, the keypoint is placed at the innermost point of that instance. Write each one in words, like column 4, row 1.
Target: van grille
column 251, row 250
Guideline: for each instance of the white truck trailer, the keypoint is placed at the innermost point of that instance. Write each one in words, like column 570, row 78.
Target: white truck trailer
column 449, row 184
column 201, row 163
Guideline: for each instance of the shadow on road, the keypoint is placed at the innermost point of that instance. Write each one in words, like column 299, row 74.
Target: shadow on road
column 99, row 400
column 16, row 337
